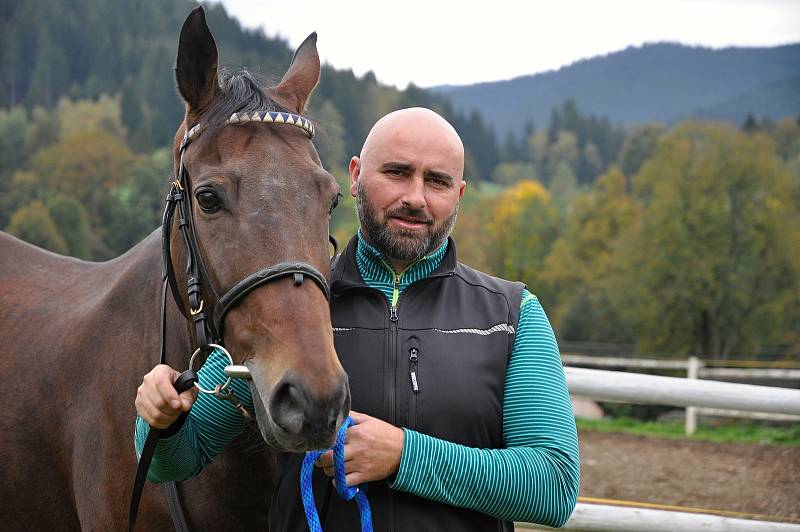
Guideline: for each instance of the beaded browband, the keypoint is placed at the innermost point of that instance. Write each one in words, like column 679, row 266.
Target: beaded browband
column 268, row 117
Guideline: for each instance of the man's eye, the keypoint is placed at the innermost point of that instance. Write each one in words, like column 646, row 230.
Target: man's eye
column 208, row 201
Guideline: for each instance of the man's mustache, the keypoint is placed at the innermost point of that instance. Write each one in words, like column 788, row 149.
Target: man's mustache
column 417, row 215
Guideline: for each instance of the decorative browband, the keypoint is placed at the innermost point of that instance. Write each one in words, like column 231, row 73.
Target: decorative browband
column 269, row 117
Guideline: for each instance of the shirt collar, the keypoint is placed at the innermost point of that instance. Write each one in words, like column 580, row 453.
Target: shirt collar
column 367, row 253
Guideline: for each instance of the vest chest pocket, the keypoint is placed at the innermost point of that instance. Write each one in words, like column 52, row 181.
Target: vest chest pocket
column 453, row 384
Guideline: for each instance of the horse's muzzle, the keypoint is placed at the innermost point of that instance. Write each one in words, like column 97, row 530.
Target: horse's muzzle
column 294, row 419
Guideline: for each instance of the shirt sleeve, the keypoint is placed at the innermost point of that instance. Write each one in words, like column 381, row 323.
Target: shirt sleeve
column 210, row 426
column 536, row 477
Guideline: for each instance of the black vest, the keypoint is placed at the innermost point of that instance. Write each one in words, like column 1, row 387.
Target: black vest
column 454, row 331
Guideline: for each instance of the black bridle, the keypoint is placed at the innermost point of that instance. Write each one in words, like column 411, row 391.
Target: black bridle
column 208, row 332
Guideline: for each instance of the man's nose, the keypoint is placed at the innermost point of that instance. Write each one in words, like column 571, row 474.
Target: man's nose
column 414, row 193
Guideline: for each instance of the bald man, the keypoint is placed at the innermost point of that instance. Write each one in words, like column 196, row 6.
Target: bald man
column 463, row 419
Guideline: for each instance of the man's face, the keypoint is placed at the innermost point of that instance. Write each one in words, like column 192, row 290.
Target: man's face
column 391, row 233
column 407, row 186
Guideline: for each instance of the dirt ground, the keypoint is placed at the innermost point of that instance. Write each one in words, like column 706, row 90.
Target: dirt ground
column 757, row 479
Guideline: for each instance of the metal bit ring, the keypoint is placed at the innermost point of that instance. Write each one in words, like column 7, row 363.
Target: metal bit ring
column 221, row 388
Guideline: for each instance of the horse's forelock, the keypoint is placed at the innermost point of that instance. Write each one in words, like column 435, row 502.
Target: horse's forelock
column 240, row 92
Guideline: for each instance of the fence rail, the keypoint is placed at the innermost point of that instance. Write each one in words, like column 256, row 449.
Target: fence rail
column 696, row 369
column 674, row 391
column 601, row 518
column 705, row 371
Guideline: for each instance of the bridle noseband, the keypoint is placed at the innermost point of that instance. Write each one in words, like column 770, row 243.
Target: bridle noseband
column 209, row 331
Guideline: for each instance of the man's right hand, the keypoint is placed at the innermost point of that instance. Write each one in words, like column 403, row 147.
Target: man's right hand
column 157, row 402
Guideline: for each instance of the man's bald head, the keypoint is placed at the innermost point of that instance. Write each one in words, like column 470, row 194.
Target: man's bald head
column 407, row 183
column 422, row 127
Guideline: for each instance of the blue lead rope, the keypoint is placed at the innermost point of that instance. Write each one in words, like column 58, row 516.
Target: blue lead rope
column 342, row 489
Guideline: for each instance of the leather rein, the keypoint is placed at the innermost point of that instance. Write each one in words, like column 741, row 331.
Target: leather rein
column 208, row 322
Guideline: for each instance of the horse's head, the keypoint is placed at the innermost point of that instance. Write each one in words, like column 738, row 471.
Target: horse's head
column 258, row 197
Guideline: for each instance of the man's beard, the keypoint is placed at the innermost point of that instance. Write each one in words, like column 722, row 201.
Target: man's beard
column 398, row 243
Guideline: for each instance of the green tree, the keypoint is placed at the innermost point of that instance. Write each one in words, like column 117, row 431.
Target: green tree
column 521, row 231
column 577, row 268
column 137, row 204
column 510, row 173
column 102, row 115
column 33, row 224
column 85, row 165
column 639, row 145
column 13, row 145
column 72, row 222
column 712, row 268
column 329, row 138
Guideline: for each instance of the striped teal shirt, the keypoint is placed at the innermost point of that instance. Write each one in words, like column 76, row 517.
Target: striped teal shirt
column 535, row 478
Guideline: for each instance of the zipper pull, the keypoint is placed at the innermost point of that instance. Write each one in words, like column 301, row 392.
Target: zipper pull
column 413, row 358
column 393, row 314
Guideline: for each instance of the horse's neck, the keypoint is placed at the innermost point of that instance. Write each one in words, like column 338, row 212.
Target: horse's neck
column 137, row 287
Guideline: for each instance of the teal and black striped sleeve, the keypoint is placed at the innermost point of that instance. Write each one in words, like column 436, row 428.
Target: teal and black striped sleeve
column 535, row 478
column 210, row 426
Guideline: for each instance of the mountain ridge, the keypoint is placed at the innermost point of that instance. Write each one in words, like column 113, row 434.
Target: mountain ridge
column 656, row 82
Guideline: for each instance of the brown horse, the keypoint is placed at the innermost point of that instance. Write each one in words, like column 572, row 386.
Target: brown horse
column 79, row 336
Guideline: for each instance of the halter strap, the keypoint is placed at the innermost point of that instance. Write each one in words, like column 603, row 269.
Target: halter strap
column 298, row 270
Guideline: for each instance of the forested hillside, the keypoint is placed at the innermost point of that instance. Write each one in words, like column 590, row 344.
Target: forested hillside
column 654, row 83
column 679, row 238
column 86, row 48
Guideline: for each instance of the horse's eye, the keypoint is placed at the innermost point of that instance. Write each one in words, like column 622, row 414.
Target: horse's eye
column 208, row 201
column 335, row 202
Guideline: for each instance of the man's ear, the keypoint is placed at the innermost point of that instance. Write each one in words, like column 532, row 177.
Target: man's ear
column 196, row 65
column 355, row 173
column 299, row 81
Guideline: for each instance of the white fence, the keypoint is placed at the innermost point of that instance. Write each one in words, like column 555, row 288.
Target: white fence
column 604, row 518
column 695, row 369
column 674, row 391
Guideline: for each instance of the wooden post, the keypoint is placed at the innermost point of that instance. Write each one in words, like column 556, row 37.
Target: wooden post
column 692, row 372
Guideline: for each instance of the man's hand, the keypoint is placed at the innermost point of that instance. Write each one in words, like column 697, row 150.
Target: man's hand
column 157, row 402
column 372, row 450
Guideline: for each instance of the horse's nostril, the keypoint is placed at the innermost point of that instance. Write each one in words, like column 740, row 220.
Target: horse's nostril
column 289, row 408
column 296, row 412
column 339, row 405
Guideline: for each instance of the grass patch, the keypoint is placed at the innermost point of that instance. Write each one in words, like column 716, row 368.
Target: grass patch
column 729, row 432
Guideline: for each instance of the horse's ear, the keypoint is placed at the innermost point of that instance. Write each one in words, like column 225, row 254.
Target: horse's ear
column 196, row 66
column 303, row 75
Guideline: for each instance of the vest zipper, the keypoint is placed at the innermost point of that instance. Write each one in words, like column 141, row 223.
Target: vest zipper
column 413, row 358
column 413, row 368
column 393, row 361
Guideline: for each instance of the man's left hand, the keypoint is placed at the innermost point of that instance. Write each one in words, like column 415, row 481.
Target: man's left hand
column 372, row 450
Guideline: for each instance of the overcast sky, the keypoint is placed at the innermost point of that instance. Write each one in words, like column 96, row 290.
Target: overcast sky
column 432, row 42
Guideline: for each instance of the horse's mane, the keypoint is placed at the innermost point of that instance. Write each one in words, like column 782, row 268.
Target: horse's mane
column 240, row 92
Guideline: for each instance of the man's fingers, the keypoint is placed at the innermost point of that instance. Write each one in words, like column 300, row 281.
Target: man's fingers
column 324, row 460
column 358, row 417
column 188, row 398
column 163, row 383
column 354, row 479
column 157, row 400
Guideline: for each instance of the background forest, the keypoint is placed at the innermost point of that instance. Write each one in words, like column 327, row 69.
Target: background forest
column 672, row 239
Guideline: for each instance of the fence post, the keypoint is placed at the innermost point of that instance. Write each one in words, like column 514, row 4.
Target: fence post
column 692, row 372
